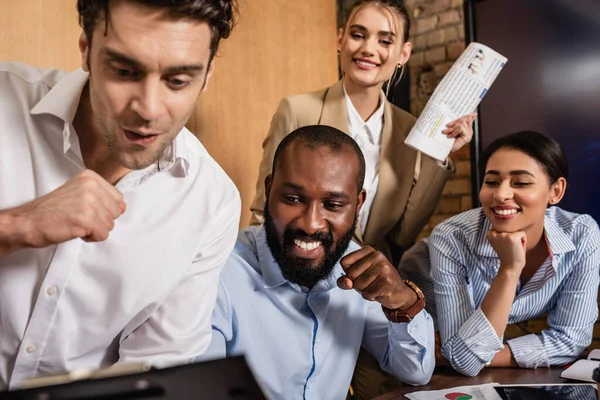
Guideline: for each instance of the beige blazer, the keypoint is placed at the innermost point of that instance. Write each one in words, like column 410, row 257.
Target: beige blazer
column 401, row 206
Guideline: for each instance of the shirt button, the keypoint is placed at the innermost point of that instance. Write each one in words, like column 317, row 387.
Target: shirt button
column 30, row 349
column 51, row 291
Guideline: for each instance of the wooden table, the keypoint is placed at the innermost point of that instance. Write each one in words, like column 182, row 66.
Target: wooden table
column 446, row 378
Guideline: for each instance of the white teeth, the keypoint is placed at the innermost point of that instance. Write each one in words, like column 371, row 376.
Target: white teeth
column 306, row 245
column 366, row 64
column 506, row 212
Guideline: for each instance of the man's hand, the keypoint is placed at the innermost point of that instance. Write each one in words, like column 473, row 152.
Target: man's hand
column 462, row 130
column 510, row 247
column 84, row 207
column 370, row 273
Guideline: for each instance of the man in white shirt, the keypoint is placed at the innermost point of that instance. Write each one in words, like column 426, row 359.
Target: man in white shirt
column 114, row 220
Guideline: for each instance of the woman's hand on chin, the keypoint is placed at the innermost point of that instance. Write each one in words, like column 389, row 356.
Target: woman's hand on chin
column 511, row 248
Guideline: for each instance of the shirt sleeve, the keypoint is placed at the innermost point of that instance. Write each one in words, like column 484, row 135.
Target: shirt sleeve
column 468, row 339
column 406, row 350
column 569, row 332
column 222, row 328
column 180, row 329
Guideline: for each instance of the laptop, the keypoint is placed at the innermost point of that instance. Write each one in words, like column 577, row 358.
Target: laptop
column 224, row 379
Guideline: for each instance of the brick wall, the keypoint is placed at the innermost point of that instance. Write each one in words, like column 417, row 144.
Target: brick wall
column 438, row 37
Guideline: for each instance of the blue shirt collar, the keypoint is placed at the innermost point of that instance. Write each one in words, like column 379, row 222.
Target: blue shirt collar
column 271, row 273
column 559, row 241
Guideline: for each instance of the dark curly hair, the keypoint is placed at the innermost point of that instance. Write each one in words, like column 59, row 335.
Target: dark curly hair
column 221, row 15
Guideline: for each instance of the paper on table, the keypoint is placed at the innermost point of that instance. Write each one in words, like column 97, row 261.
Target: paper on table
column 458, row 94
column 476, row 392
column 582, row 370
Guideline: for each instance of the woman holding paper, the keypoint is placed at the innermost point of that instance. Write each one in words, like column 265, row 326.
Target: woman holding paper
column 403, row 186
column 516, row 258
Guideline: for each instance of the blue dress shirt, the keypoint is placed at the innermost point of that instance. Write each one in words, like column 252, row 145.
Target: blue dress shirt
column 464, row 265
column 303, row 344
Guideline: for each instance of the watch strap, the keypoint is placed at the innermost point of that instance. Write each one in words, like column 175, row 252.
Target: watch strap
column 406, row 315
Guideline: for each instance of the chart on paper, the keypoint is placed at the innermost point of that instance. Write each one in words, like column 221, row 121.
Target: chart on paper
column 478, row 392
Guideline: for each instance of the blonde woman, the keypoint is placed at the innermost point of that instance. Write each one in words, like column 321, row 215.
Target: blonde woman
column 403, row 186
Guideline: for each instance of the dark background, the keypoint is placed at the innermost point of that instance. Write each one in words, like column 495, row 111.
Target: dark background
column 550, row 84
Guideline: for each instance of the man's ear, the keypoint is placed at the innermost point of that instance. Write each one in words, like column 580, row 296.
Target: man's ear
column 211, row 69
column 362, row 196
column 84, row 48
column 268, row 184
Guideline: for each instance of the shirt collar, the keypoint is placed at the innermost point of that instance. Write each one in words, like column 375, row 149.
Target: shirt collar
column 560, row 242
column 62, row 101
column 271, row 273
column 355, row 120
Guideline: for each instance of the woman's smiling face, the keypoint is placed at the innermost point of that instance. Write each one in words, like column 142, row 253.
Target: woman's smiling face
column 516, row 191
column 371, row 45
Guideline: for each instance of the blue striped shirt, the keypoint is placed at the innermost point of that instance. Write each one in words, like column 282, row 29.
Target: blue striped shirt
column 464, row 265
column 303, row 344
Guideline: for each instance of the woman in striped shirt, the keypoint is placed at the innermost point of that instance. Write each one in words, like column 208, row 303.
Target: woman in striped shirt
column 513, row 259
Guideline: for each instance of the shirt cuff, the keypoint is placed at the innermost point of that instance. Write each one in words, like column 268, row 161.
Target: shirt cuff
column 529, row 351
column 480, row 337
column 445, row 164
column 418, row 329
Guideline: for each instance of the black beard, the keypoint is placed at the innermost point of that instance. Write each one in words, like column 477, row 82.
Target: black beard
column 305, row 272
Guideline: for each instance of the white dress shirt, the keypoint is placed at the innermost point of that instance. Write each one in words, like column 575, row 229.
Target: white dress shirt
column 144, row 294
column 368, row 137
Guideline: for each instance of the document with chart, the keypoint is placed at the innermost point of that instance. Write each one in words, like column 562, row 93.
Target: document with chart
column 477, row 392
column 458, row 94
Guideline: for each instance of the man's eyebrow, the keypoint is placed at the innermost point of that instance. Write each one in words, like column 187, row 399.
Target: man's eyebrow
column 337, row 195
column 292, row 186
column 329, row 195
column 381, row 33
column 117, row 56
column 512, row 173
column 183, row 69
column 179, row 69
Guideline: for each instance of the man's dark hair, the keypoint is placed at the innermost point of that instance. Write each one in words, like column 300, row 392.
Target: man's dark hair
column 545, row 150
column 221, row 15
column 317, row 136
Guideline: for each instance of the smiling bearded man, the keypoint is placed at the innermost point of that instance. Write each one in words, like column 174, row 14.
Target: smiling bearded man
column 305, row 271
column 298, row 299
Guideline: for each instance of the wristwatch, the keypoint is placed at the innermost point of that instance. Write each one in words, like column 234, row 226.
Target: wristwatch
column 398, row 315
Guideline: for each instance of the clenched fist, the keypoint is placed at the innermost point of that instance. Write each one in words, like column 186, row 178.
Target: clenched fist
column 86, row 207
column 370, row 273
column 510, row 247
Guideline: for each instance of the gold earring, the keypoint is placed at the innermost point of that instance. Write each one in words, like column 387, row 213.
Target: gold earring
column 399, row 65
